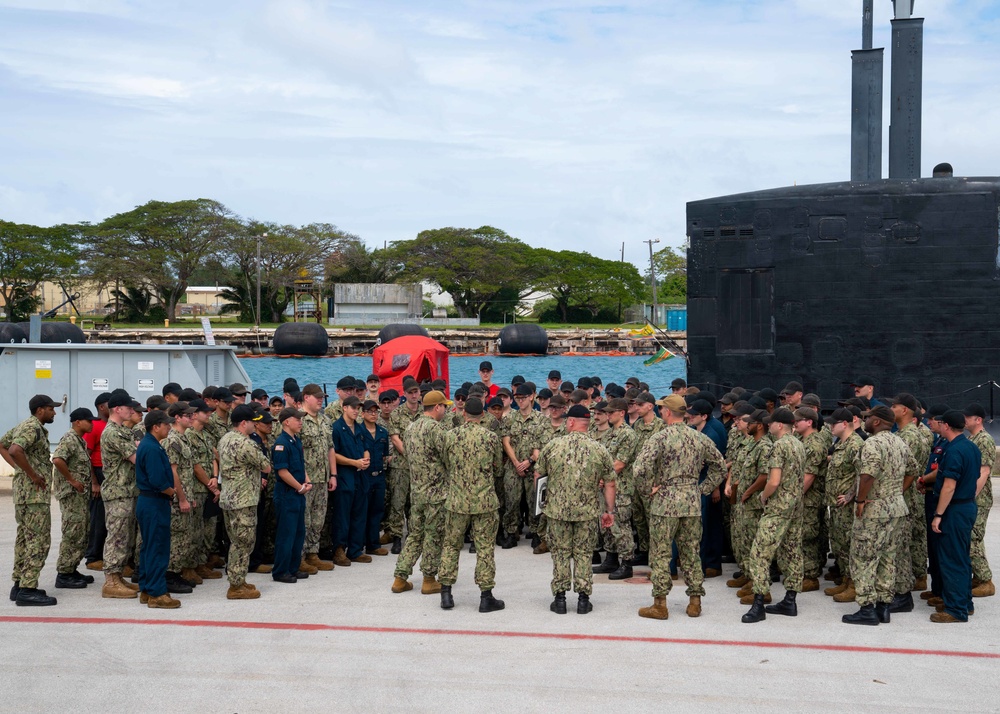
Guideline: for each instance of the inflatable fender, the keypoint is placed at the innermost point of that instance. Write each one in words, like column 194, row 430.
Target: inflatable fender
column 399, row 329
column 523, row 339
column 301, row 338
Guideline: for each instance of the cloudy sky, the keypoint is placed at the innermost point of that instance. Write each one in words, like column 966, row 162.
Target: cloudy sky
column 568, row 125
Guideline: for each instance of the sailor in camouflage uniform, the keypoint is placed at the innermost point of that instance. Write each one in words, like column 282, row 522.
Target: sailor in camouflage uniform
column 667, row 469
column 807, row 427
column 118, row 445
column 185, row 510
column 473, row 458
column 206, row 488
column 879, row 514
column 425, row 446
column 982, row 576
column 321, row 472
column 752, row 482
column 241, row 463
column 71, row 479
column 399, row 468
column 554, row 425
column 575, row 466
column 620, row 440
column 780, row 529
column 912, row 537
column 521, row 442
column 645, row 425
column 26, row 448
column 842, row 475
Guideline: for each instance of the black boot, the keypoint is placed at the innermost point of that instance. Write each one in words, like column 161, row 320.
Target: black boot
column 882, row 611
column 33, row 597
column 535, row 540
column 65, row 580
column 447, row 601
column 609, row 565
column 785, row 607
column 641, row 558
column 775, row 573
column 558, row 605
column 583, row 604
column 624, row 571
column 738, row 574
column 756, row 612
column 488, row 603
column 509, row 541
column 472, row 547
column 177, row 584
column 397, row 546
column 595, row 559
column 88, row 579
column 14, row 590
column 865, row 616
column 901, row 603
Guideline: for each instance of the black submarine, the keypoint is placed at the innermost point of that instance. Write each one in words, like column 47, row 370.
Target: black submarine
column 893, row 278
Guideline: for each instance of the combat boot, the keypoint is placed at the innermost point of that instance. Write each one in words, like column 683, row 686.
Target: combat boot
column 385, row 539
column 263, row 568
column 379, row 551
column 68, row 581
column 163, row 602
column 865, row 616
column 339, row 558
column 926, row 594
column 488, row 603
column 191, row 575
column 882, row 612
column 362, row 559
column 747, row 589
column 216, row 561
column 810, row 585
column 128, row 571
column 95, row 565
column 447, row 601
column 401, row 585
column 935, row 601
column 115, row 587
column 919, row 583
column 609, row 565
column 712, row 572
column 14, row 590
column 756, row 613
column 641, row 558
column 583, row 604
column 848, row 594
column 558, row 605
column 306, row 568
column 694, row 606
column 206, row 573
column 944, row 617
column 984, row 589
column 143, row 597
column 836, row 589
column 624, row 571
column 240, row 593
column 833, row 574
column 656, row 611
column 397, row 546
column 87, row 579
column 542, row 548
column 902, row 602
column 430, row 586
column 472, row 548
column 786, row 607
column 748, row 599
column 737, row 582
column 595, row 559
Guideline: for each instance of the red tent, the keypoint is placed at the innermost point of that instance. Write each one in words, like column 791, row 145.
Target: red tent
column 420, row 357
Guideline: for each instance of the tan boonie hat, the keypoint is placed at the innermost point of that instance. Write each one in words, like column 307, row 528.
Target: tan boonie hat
column 434, row 397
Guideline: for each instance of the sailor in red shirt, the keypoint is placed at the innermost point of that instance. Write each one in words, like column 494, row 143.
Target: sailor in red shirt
column 98, row 529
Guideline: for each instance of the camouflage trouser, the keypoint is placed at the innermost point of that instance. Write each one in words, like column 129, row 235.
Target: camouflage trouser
column 513, row 487
column 903, row 578
column 241, row 525
column 484, row 532
column 398, row 486
column 740, row 548
column 640, row 509
column 316, row 503
column 811, row 564
column 841, row 526
column 917, row 521
column 210, row 527
column 744, row 531
column 778, row 534
column 686, row 531
column 571, row 540
column 185, row 530
column 873, row 558
column 75, row 510
column 977, row 549
column 823, row 546
column 618, row 538
column 31, row 545
column 121, row 541
column 424, row 540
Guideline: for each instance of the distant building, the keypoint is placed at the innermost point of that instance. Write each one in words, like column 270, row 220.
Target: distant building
column 198, row 300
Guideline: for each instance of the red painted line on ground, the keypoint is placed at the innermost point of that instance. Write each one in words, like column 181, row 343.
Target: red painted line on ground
column 318, row 627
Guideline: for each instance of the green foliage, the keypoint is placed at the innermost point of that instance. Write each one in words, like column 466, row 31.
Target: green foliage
column 30, row 255
column 582, row 284
column 671, row 276
column 353, row 262
column 135, row 305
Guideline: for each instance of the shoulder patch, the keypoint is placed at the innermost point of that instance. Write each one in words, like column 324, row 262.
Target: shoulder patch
column 279, row 447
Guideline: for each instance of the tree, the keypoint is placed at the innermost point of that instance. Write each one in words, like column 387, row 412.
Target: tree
column 135, row 305
column 671, row 276
column 583, row 281
column 160, row 245
column 473, row 265
column 30, row 255
column 353, row 262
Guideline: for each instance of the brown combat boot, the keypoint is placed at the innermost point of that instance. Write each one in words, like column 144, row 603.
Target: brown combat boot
column 95, row 565
column 935, row 601
column 376, row 551
column 657, row 611
column 694, row 606
column 431, row 586
column 385, row 539
column 399, row 585
column 131, row 586
column 263, row 568
column 238, row 592
column 712, row 572
column 114, row 587
column 216, row 561
column 926, row 594
column 143, row 597
column 836, row 589
column 737, row 582
column 810, row 585
column 747, row 589
column 748, row 599
column 191, row 575
column 542, row 548
column 163, row 602
column 339, row 557
column 128, row 571
column 847, row 594
column 919, row 583
column 984, row 589
column 206, row 573
column 306, row 568
column 362, row 559
column 943, row 617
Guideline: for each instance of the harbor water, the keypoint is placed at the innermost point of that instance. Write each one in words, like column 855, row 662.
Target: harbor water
column 269, row 373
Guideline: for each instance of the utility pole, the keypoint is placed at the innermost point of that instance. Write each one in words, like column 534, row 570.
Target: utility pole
column 619, row 299
column 258, row 278
column 652, row 275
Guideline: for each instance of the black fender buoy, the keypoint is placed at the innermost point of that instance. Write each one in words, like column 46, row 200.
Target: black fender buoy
column 11, row 333
column 301, row 338
column 399, row 329
column 523, row 339
column 57, row 333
